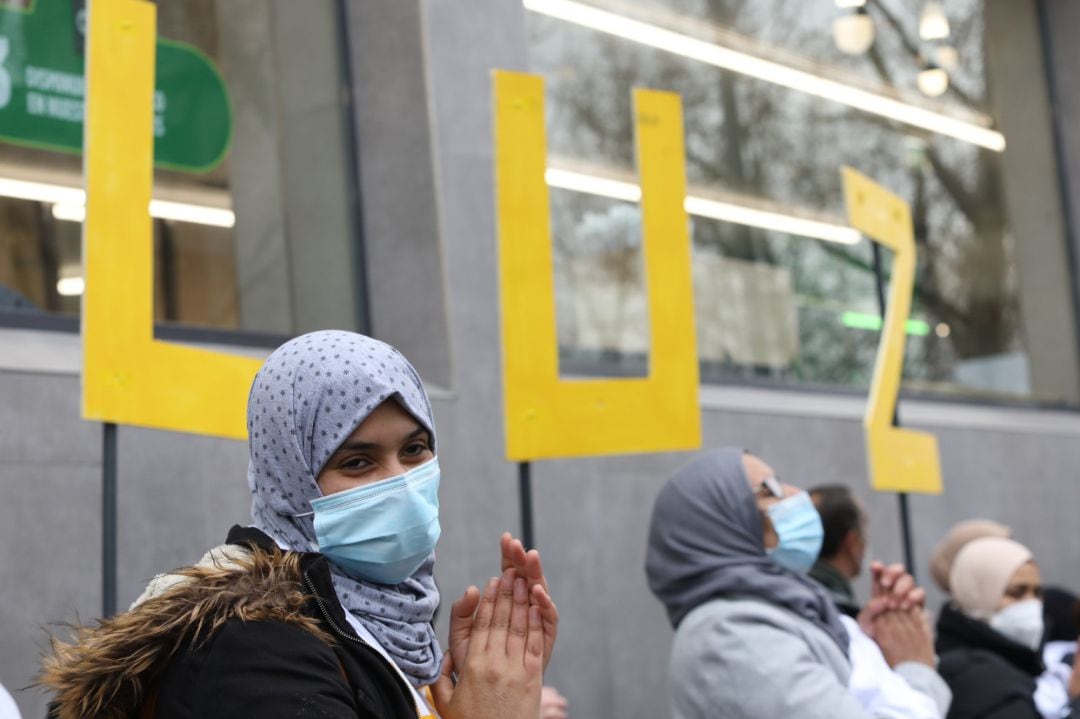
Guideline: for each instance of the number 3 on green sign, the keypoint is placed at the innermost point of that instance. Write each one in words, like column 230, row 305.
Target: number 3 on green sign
column 5, row 76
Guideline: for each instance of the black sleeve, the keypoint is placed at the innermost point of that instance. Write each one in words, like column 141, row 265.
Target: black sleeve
column 1015, row 708
column 270, row 670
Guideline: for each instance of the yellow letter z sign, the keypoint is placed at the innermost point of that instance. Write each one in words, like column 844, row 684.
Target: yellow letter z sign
column 548, row 417
column 901, row 460
column 128, row 377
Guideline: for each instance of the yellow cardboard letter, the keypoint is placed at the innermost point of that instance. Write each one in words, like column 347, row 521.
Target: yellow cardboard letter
column 128, row 377
column 901, row 460
column 547, row 417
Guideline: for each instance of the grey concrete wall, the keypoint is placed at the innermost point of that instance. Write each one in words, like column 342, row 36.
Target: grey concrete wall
column 50, row 521
column 407, row 301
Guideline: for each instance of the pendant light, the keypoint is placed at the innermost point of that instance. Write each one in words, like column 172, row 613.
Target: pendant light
column 933, row 23
column 933, row 81
column 854, row 32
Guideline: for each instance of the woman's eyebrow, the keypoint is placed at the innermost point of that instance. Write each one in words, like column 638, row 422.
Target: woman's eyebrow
column 418, row 432
column 355, row 445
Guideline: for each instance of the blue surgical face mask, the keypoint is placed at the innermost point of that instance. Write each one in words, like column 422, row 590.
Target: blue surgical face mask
column 381, row 532
column 798, row 525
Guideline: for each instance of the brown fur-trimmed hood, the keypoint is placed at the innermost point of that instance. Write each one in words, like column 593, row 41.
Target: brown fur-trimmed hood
column 105, row 670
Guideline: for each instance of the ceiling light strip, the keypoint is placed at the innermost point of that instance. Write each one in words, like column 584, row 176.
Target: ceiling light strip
column 767, row 71
column 704, row 207
column 69, row 204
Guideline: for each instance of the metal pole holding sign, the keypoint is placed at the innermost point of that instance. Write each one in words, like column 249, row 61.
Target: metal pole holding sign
column 108, row 520
column 528, row 538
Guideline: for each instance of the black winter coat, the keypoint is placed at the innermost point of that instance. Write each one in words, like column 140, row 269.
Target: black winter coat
column 275, row 644
column 273, row 670
column 991, row 676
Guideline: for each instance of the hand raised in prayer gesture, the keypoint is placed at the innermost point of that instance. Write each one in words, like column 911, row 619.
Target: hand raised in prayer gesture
column 502, row 671
column 895, row 617
column 526, row 565
column 891, row 589
column 904, row 635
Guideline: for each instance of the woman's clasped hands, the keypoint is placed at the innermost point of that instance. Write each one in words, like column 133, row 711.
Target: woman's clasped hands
column 500, row 643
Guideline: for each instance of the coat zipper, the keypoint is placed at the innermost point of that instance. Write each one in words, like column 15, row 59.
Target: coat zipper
column 359, row 640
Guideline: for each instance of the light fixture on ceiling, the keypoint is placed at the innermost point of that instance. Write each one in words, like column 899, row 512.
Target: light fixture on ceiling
column 40, row 191
column 704, row 207
column 70, row 283
column 769, row 71
column 933, row 81
column 69, row 204
column 933, row 23
column 947, row 57
column 69, row 212
column 850, row 3
column 854, row 32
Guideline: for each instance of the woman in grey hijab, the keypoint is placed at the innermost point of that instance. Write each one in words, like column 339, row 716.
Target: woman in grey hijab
column 324, row 606
column 728, row 550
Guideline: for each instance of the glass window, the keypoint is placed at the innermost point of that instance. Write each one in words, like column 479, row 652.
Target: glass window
column 251, row 167
column 788, row 306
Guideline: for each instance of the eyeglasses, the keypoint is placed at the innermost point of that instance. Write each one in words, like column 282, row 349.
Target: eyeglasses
column 770, row 487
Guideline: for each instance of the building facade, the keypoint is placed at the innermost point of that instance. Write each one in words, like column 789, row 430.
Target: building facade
column 356, row 191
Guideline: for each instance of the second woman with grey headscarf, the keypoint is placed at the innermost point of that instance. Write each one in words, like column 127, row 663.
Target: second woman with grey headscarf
column 729, row 548
column 324, row 606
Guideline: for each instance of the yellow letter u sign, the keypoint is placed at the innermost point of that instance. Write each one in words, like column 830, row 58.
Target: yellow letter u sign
column 549, row 417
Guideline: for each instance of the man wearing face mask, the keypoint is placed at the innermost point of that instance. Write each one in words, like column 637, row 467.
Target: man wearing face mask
column 843, row 548
column 989, row 636
column 729, row 549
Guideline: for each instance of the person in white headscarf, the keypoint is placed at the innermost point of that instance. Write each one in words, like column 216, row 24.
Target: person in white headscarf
column 324, row 606
column 959, row 535
column 990, row 634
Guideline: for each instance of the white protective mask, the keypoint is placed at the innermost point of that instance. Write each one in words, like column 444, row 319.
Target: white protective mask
column 1022, row 622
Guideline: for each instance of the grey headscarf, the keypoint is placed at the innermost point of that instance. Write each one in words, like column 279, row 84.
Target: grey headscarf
column 706, row 541
column 311, row 394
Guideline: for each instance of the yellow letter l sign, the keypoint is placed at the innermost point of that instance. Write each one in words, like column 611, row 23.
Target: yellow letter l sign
column 128, row 377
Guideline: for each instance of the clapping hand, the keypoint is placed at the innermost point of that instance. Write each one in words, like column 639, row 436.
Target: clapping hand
column 526, row 565
column 502, row 672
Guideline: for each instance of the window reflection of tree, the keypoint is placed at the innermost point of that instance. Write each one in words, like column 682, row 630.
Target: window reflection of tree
column 752, row 138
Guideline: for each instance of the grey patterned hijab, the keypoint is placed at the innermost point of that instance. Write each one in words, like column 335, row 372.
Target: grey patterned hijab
column 706, row 542
column 311, row 394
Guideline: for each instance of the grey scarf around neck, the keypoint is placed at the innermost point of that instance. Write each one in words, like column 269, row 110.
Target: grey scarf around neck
column 311, row 394
column 706, row 542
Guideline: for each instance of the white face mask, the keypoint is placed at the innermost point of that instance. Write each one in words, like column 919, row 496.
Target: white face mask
column 1022, row 622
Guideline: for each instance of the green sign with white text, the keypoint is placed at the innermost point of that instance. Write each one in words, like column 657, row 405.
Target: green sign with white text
column 42, row 89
